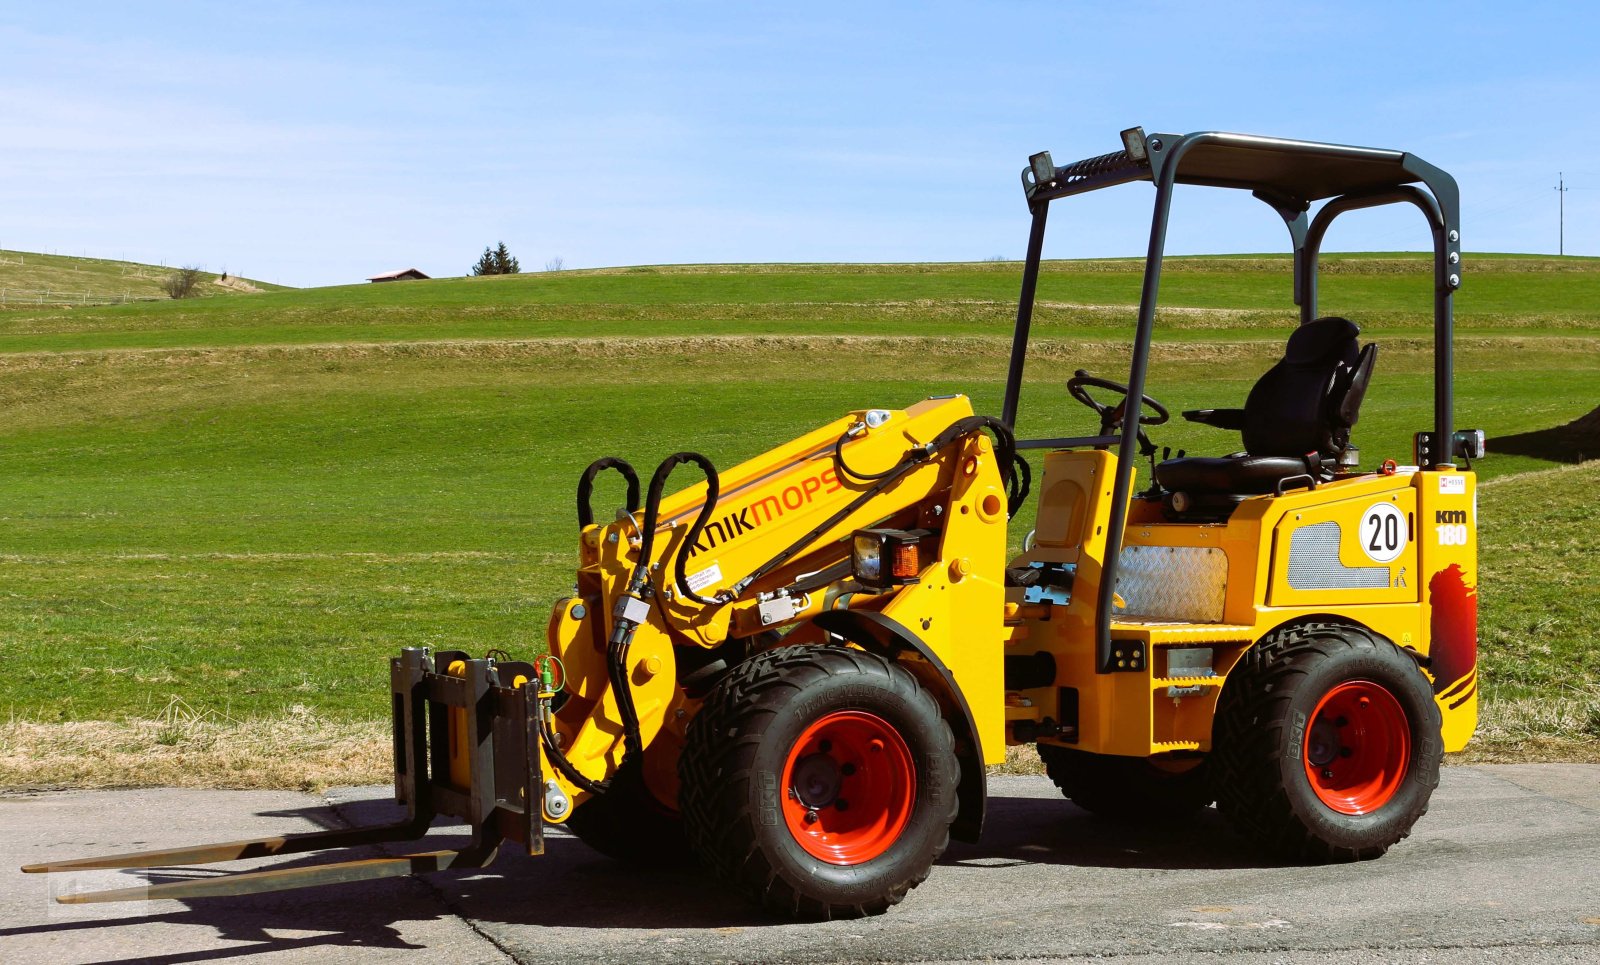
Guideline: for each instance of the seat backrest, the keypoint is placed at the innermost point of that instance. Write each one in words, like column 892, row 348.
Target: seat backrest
column 1309, row 401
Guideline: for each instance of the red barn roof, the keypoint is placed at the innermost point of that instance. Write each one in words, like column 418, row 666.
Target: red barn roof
column 403, row 274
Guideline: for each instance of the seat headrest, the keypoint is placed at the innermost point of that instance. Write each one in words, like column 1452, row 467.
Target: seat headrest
column 1329, row 339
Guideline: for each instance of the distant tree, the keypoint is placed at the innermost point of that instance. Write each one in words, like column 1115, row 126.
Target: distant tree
column 503, row 261
column 555, row 264
column 485, row 265
column 497, row 261
column 182, row 282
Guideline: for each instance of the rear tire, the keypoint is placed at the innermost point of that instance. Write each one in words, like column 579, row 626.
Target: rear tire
column 1133, row 789
column 1326, row 743
column 820, row 782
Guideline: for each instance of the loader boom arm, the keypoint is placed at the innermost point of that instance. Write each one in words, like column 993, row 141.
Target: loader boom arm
column 776, row 554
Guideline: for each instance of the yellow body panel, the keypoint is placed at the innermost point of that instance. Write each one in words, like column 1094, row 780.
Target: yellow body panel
column 1447, row 535
column 1394, row 553
column 958, row 602
column 1350, row 575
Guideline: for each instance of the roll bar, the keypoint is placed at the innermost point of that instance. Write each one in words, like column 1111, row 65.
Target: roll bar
column 1288, row 175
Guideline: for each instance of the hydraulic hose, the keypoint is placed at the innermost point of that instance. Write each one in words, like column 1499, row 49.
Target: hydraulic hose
column 632, row 608
column 1015, row 472
column 844, row 467
column 1020, row 483
column 1005, row 441
column 586, row 487
column 571, row 773
column 658, row 484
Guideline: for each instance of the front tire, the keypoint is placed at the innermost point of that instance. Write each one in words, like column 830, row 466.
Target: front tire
column 1326, row 743
column 819, row 781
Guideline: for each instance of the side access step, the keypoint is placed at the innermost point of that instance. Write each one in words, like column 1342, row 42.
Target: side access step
column 463, row 717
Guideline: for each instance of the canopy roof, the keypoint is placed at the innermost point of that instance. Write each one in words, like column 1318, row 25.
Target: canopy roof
column 1289, row 173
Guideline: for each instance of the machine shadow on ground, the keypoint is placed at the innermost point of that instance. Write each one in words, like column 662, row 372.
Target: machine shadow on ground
column 571, row 886
column 1031, row 830
column 1573, row 442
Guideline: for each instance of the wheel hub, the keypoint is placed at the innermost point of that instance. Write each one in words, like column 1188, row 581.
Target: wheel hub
column 1358, row 747
column 1322, row 744
column 816, row 780
column 849, row 787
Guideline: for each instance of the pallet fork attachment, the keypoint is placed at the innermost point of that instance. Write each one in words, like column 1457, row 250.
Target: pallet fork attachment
column 493, row 705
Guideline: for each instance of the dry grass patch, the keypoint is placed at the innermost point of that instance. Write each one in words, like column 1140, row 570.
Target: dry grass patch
column 1537, row 730
column 1020, row 759
column 1404, row 354
column 182, row 748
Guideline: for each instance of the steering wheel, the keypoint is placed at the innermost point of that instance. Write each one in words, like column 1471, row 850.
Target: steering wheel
column 1111, row 416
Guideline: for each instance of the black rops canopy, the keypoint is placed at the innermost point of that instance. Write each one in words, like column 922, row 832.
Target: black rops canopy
column 1290, row 176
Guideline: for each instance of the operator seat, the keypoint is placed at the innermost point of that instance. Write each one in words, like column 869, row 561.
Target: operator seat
column 1296, row 422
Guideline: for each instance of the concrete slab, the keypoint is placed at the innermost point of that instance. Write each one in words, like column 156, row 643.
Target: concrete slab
column 380, row 922
column 1506, row 867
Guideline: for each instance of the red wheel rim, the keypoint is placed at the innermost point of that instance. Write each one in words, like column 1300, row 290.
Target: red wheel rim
column 848, row 787
column 1358, row 747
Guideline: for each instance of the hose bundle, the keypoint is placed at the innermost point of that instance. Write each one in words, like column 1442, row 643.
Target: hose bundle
column 639, row 592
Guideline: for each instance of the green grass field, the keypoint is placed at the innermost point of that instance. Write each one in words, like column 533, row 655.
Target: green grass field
column 246, row 504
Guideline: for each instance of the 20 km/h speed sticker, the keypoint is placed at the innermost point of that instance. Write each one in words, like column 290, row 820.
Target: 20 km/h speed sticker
column 1383, row 532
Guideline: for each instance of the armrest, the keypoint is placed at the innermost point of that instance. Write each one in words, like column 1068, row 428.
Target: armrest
column 1219, row 418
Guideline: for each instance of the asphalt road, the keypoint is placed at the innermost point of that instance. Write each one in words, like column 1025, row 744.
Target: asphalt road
column 1506, row 868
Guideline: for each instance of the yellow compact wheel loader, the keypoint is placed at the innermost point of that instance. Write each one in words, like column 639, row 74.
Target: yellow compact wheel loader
column 796, row 670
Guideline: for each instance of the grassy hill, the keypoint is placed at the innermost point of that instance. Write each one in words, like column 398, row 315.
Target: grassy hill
column 235, row 509
column 52, row 282
column 1207, row 299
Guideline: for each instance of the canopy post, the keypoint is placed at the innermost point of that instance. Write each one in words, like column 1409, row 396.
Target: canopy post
column 1019, row 338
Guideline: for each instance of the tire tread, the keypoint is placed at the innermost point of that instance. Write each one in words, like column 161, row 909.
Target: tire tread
column 719, row 758
column 1250, row 733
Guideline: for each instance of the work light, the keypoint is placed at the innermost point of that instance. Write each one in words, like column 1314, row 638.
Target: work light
column 1471, row 443
column 1133, row 143
column 882, row 558
column 1044, row 169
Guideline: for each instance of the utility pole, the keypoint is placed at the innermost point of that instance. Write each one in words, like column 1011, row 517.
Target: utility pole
column 1561, row 193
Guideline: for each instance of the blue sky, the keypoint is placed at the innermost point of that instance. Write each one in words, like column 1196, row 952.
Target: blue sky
column 316, row 144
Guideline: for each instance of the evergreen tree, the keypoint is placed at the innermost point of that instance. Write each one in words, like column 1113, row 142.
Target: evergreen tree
column 504, row 263
column 497, row 261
